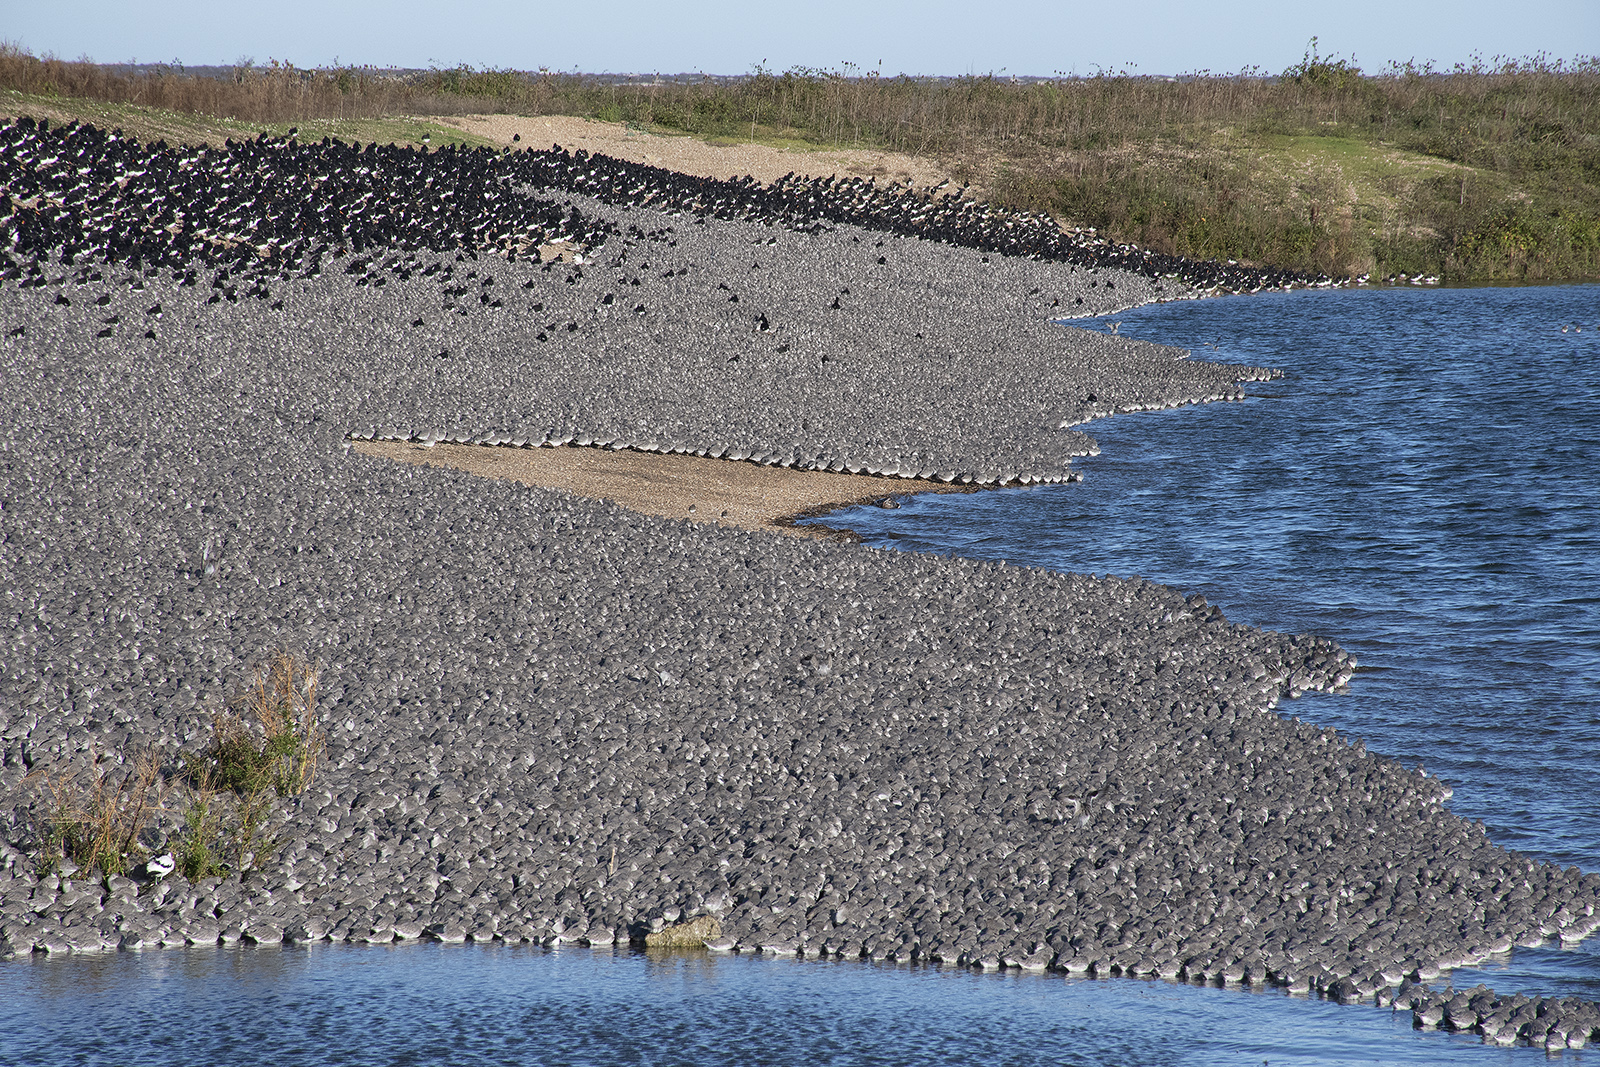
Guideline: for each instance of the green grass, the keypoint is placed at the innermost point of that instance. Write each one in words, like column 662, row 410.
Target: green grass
column 1313, row 202
column 271, row 739
column 266, row 745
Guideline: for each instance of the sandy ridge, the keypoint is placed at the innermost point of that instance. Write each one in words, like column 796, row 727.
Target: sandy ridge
column 690, row 155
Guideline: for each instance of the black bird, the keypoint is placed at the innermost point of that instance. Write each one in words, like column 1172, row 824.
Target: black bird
column 257, row 208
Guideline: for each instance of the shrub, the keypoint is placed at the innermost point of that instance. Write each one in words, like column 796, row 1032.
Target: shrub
column 222, row 832
column 271, row 738
column 266, row 745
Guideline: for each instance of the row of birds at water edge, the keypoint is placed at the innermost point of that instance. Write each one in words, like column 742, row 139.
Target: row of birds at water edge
column 275, row 206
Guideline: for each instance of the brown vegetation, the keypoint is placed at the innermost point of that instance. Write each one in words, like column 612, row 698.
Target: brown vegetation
column 95, row 817
column 104, row 819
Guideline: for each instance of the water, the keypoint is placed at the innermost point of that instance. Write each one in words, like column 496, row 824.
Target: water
column 1422, row 487
column 502, row 1005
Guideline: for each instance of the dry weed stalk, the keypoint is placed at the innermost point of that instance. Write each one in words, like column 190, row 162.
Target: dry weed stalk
column 267, row 743
column 271, row 737
column 96, row 824
column 268, row 740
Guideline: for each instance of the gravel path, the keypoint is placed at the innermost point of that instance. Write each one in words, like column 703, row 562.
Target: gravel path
column 550, row 718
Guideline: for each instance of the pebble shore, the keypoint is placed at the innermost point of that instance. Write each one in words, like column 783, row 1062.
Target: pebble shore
column 552, row 719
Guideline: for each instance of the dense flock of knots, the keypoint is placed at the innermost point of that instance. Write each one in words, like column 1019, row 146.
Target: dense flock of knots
column 278, row 205
column 556, row 721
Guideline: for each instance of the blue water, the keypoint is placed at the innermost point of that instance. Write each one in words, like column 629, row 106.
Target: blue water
column 502, row 1005
column 1422, row 486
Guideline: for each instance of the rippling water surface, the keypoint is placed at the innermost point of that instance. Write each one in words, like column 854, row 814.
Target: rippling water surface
column 1422, row 486
column 496, row 1004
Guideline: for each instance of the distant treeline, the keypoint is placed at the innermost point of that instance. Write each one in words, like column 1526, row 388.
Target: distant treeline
column 1305, row 169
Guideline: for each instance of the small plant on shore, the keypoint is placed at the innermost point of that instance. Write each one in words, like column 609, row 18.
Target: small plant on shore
column 95, row 818
column 197, row 853
column 271, row 738
column 222, row 831
column 266, row 744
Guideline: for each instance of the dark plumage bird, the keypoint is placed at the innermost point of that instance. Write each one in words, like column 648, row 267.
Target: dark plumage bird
column 265, row 209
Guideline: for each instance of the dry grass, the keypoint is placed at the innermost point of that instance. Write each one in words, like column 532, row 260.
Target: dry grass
column 96, row 816
column 103, row 819
column 271, row 738
column 266, row 744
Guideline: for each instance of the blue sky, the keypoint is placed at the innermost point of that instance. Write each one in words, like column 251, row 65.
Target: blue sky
column 723, row 37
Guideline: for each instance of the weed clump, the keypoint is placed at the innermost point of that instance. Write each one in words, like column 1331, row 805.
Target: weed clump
column 223, row 832
column 266, row 745
column 95, row 820
column 271, row 739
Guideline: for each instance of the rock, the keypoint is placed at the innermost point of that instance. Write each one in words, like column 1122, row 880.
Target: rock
column 692, row 934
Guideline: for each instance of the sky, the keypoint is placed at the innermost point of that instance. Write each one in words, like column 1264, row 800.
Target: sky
column 933, row 37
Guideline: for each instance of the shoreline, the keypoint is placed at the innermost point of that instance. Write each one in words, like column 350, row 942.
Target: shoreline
column 555, row 719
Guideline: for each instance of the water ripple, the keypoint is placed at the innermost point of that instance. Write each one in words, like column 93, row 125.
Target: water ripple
column 1421, row 486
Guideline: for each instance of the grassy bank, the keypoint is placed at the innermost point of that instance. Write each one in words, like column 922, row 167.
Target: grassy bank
column 1487, row 172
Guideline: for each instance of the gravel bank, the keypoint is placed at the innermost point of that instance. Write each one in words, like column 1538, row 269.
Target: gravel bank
column 555, row 719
